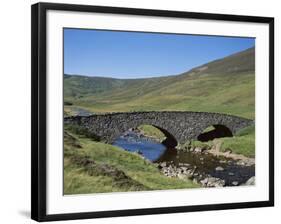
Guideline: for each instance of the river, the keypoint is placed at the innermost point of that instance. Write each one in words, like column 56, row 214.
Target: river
column 206, row 164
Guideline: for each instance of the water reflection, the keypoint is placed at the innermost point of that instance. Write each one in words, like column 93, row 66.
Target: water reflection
column 205, row 163
column 132, row 142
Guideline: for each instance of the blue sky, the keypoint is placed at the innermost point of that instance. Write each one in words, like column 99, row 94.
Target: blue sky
column 140, row 55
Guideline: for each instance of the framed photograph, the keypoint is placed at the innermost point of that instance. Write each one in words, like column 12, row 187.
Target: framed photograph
column 140, row 111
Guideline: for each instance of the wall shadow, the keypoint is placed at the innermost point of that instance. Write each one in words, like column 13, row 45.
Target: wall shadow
column 219, row 131
column 170, row 141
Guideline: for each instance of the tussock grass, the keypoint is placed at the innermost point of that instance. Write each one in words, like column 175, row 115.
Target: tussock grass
column 152, row 131
column 243, row 142
column 97, row 167
column 80, row 131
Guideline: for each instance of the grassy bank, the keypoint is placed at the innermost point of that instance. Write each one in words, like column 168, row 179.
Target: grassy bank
column 242, row 142
column 95, row 167
column 153, row 132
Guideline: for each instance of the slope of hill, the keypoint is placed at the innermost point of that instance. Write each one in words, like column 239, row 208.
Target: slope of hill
column 240, row 62
column 76, row 85
column 226, row 85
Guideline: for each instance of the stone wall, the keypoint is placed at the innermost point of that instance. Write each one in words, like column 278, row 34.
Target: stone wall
column 182, row 125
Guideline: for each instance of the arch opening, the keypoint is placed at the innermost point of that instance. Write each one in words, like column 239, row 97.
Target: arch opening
column 169, row 141
column 153, row 132
column 148, row 140
column 214, row 131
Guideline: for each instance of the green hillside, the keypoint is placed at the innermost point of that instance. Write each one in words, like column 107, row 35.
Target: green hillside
column 95, row 167
column 225, row 86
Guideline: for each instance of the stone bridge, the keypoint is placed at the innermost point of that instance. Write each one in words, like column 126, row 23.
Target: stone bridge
column 177, row 126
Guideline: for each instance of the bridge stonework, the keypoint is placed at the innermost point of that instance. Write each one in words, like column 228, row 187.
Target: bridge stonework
column 182, row 126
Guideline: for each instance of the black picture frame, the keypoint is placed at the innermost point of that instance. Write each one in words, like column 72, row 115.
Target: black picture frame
column 38, row 108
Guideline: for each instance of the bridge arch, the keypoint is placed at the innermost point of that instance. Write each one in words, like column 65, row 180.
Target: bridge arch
column 170, row 141
column 214, row 131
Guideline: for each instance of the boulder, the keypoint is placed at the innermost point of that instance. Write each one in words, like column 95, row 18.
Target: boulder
column 212, row 182
column 250, row 181
column 198, row 150
column 235, row 183
column 162, row 165
column 219, row 168
column 222, row 161
column 240, row 163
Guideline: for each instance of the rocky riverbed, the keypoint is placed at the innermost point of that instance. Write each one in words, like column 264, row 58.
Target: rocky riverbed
column 208, row 170
column 216, row 151
column 187, row 171
column 207, row 166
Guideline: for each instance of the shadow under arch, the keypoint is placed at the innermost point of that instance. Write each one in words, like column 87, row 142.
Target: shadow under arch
column 218, row 131
column 170, row 141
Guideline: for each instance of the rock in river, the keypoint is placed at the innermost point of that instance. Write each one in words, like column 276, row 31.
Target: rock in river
column 251, row 181
column 212, row 182
column 163, row 164
column 235, row 183
column 198, row 150
column 219, row 168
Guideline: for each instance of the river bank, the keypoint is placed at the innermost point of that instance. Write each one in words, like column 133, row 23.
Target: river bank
column 96, row 167
column 139, row 162
column 215, row 148
column 206, row 163
column 203, row 165
column 208, row 170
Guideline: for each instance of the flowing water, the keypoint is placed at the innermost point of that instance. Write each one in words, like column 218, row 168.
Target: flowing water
column 132, row 142
column 206, row 163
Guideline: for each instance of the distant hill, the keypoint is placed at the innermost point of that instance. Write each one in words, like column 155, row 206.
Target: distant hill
column 76, row 85
column 226, row 85
column 240, row 62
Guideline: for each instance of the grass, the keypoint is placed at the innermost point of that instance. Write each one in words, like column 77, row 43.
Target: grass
column 152, row 131
column 92, row 167
column 223, row 86
column 243, row 142
column 214, row 93
column 95, row 167
column 80, row 131
column 195, row 143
